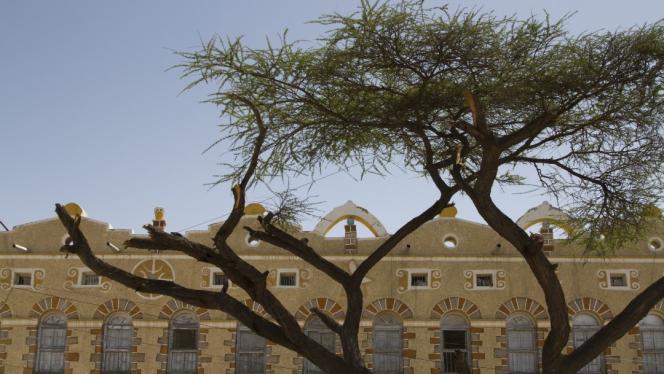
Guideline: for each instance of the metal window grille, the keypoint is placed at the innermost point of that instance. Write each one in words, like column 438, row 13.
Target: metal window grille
column 250, row 352
column 652, row 341
column 51, row 343
column 521, row 345
column 218, row 278
column 287, row 280
column 387, row 344
column 419, row 280
column 89, row 279
column 118, row 336
column 618, row 280
column 455, row 335
column 183, row 345
column 316, row 330
column 22, row 279
column 484, row 280
column 583, row 327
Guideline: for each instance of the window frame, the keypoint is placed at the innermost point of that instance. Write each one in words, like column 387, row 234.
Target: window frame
column 239, row 350
column 315, row 325
column 175, row 324
column 108, row 353
column 19, row 274
column 458, row 322
column 389, row 323
column 531, row 328
column 295, row 272
column 656, row 352
column 415, row 273
column 587, row 330
column 492, row 276
column 51, row 350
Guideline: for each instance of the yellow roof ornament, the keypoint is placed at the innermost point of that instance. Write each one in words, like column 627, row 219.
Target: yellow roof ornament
column 449, row 212
column 254, row 209
column 75, row 210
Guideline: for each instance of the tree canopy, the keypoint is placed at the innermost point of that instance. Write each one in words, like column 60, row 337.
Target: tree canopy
column 463, row 98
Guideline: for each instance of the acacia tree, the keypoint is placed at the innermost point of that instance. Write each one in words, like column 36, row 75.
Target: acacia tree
column 467, row 100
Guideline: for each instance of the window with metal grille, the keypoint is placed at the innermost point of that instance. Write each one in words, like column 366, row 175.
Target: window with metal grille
column 387, row 344
column 652, row 342
column 455, row 336
column 521, row 345
column 249, row 351
column 288, row 279
column 51, row 344
column 183, row 344
column 419, row 280
column 23, row 279
column 316, row 330
column 218, row 278
column 89, row 279
column 618, row 280
column 583, row 327
column 484, row 280
column 118, row 336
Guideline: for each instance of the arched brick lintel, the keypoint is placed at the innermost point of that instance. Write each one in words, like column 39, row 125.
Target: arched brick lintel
column 322, row 303
column 387, row 304
column 589, row 304
column 54, row 303
column 458, row 304
column 117, row 305
column 173, row 306
column 521, row 304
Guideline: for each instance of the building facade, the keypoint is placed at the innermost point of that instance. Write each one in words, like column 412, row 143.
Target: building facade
column 451, row 285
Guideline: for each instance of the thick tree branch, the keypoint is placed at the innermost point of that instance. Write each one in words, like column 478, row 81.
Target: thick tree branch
column 539, row 264
column 201, row 298
column 328, row 321
column 636, row 310
column 299, row 248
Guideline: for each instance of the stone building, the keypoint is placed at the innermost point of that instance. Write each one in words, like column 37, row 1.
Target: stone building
column 452, row 284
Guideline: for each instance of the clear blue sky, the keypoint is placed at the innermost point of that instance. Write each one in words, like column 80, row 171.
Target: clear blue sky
column 88, row 112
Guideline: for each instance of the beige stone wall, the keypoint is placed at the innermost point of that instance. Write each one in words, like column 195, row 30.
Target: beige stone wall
column 451, row 288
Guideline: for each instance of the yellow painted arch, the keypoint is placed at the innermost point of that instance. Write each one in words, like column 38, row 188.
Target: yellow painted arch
column 357, row 218
column 565, row 226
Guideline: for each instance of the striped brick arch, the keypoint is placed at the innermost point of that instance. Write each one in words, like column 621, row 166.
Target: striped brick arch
column 521, row 304
column 387, row 304
column 256, row 308
column 322, row 303
column 103, row 311
column 54, row 303
column 589, row 304
column 173, row 306
column 117, row 305
column 458, row 304
column 659, row 308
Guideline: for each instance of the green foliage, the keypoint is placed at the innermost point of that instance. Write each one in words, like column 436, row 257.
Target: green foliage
column 584, row 110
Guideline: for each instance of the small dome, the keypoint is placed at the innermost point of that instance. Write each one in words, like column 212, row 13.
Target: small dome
column 449, row 212
column 254, row 209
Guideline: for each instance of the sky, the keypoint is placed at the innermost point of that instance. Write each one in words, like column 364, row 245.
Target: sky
column 90, row 111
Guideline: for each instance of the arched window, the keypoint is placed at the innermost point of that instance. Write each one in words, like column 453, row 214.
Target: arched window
column 583, row 327
column 183, row 344
column 250, row 351
column 387, row 344
column 51, row 343
column 455, row 336
column 521, row 344
column 652, row 341
column 316, row 330
column 118, row 336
